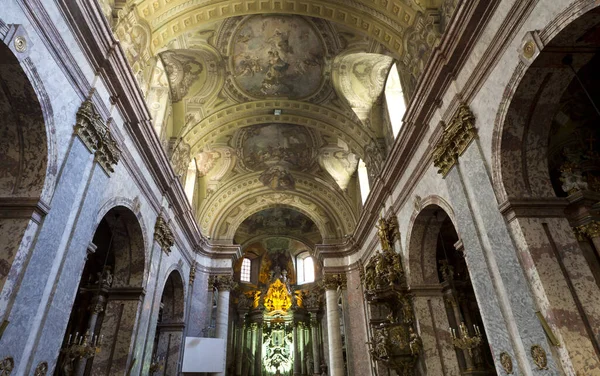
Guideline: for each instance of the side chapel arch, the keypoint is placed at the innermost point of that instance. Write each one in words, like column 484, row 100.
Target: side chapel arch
column 27, row 151
column 108, row 301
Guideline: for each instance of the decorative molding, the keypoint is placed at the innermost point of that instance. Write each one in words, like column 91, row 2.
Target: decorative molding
column 528, row 207
column 456, row 138
column 163, row 234
column 222, row 282
column 96, row 136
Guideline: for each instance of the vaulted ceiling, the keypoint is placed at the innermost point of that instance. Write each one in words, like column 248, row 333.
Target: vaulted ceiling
column 266, row 107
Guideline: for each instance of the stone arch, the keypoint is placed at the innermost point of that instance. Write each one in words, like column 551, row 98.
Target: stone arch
column 168, row 341
column 318, row 196
column 562, row 264
column 108, row 301
column 131, row 206
column 28, row 160
column 123, row 305
column 174, row 292
column 519, row 145
column 423, row 230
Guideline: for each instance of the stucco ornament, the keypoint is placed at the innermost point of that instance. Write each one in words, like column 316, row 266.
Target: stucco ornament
column 6, row 366
column 41, row 369
column 163, row 234
column 96, row 136
column 507, row 363
column 539, row 356
column 456, row 138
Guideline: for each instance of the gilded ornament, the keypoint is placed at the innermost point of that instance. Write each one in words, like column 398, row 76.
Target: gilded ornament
column 6, row 366
column 590, row 230
column 456, row 138
column 506, row 362
column 20, row 43
column 539, row 356
column 96, row 136
column 163, row 234
column 529, row 49
column 41, row 369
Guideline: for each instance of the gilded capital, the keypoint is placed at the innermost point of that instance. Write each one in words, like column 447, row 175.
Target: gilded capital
column 163, row 234
column 96, row 136
column 456, row 138
column 333, row 281
column 590, row 230
column 222, row 282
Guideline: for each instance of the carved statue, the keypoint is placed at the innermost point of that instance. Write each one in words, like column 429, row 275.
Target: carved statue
column 383, row 231
column 416, row 344
column 310, row 364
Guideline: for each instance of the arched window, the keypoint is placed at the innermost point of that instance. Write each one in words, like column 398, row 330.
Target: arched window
column 245, row 271
column 190, row 180
column 363, row 180
column 394, row 98
column 305, row 268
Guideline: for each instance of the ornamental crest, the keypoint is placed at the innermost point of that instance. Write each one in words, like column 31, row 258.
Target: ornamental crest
column 96, row 136
column 163, row 234
column 455, row 140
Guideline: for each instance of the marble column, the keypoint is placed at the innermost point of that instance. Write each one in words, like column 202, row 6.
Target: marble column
column 239, row 345
column 252, row 349
column 297, row 360
column 224, row 284
column 258, row 352
column 334, row 337
column 314, row 331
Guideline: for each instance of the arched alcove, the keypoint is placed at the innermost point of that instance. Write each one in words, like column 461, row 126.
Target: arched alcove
column 168, row 340
column 444, row 301
column 108, row 301
column 545, row 152
column 23, row 163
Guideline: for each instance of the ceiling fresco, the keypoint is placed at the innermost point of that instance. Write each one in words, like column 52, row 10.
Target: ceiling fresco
column 278, row 221
column 267, row 107
column 267, row 145
column 277, row 56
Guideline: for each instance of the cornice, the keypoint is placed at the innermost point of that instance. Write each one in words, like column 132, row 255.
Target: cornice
column 526, row 207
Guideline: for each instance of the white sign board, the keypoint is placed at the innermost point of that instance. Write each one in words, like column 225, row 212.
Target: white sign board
column 204, row 355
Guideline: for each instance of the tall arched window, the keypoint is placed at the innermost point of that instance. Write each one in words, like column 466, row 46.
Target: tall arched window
column 363, row 180
column 305, row 268
column 190, row 180
column 394, row 98
column 245, row 271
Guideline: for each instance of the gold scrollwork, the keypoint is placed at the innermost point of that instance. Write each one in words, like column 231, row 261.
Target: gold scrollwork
column 455, row 140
